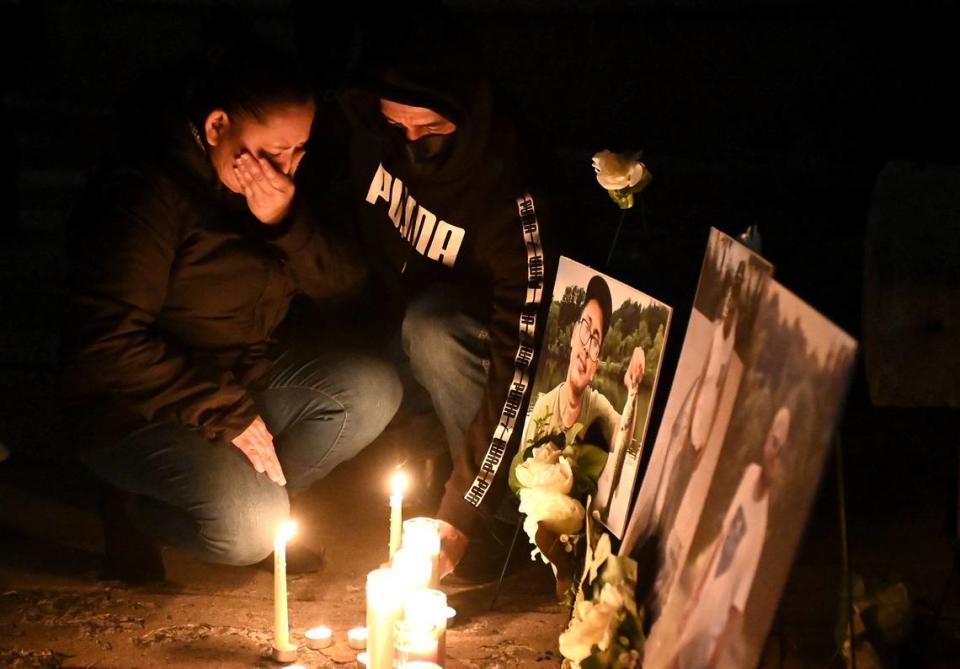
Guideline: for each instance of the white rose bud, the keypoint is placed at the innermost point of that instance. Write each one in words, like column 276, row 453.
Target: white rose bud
column 617, row 171
column 546, row 474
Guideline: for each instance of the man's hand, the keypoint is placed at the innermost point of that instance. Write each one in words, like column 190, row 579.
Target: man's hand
column 636, row 369
column 453, row 544
column 256, row 442
column 268, row 192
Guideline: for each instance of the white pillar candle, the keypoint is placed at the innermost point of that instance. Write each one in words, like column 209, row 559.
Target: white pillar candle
column 319, row 637
column 357, row 638
column 281, row 626
column 398, row 484
column 423, row 535
column 384, row 609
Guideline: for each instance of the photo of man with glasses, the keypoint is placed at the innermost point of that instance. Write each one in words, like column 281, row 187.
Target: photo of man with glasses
column 573, row 401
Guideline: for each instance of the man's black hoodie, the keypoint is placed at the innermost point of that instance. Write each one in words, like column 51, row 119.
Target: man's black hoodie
column 477, row 220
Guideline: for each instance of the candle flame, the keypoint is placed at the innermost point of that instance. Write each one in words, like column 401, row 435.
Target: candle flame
column 286, row 531
column 398, row 483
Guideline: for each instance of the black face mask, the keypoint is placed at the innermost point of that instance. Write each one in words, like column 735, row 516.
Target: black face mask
column 429, row 149
column 424, row 156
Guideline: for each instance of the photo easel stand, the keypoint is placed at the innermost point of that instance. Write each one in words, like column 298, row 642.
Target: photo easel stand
column 506, row 561
column 844, row 547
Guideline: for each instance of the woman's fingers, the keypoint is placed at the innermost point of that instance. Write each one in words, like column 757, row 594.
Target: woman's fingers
column 253, row 455
column 272, row 466
column 276, row 180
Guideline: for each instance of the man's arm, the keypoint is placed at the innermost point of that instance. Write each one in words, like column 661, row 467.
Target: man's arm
column 517, row 269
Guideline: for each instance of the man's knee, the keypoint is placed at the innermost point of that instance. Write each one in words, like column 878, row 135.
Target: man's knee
column 243, row 523
column 429, row 335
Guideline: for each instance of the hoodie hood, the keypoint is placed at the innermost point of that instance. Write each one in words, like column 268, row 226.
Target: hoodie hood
column 441, row 76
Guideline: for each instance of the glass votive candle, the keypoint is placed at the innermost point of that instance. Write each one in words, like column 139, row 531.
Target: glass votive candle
column 427, row 609
column 357, row 638
column 423, row 536
column 318, row 638
column 411, row 644
column 413, row 568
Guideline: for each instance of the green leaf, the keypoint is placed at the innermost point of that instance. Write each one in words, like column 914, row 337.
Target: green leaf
column 894, row 614
column 522, row 454
column 587, row 462
column 572, row 433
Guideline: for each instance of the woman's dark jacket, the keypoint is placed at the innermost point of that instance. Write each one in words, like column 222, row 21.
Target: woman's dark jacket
column 176, row 290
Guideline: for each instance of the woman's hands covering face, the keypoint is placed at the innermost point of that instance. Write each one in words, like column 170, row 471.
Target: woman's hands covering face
column 269, row 193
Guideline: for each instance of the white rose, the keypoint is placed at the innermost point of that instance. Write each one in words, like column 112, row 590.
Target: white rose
column 617, row 171
column 546, row 473
column 614, row 596
column 592, row 625
column 558, row 512
column 546, row 452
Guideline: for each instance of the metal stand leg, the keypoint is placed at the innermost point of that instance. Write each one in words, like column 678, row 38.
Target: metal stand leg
column 506, row 562
column 848, row 581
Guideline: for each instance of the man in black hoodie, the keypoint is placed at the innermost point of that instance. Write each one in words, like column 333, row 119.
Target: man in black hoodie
column 449, row 209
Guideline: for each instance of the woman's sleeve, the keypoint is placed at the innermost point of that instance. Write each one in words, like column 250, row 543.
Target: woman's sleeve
column 127, row 244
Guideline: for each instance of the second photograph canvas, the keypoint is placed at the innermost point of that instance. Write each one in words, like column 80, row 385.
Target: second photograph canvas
column 598, row 370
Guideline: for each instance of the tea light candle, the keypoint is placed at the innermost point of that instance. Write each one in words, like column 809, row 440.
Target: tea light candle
column 384, row 609
column 357, row 638
column 283, row 650
column 319, row 637
column 362, row 659
column 423, row 536
column 398, row 483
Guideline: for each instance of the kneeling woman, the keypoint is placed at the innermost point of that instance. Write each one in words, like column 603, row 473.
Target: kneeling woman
column 185, row 258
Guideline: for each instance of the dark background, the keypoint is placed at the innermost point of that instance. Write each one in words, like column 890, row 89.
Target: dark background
column 777, row 113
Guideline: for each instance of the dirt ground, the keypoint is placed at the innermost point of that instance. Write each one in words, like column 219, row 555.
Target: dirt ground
column 55, row 613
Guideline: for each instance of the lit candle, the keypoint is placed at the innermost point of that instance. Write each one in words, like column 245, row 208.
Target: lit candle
column 397, row 486
column 384, row 609
column 357, row 638
column 319, row 637
column 423, row 535
column 412, row 644
column 283, row 650
column 428, row 610
column 413, row 569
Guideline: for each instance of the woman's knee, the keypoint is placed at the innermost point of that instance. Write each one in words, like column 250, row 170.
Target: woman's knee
column 242, row 525
column 374, row 397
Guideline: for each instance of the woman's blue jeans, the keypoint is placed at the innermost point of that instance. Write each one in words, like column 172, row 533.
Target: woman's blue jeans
column 205, row 497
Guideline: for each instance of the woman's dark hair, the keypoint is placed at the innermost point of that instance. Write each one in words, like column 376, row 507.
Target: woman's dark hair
column 245, row 77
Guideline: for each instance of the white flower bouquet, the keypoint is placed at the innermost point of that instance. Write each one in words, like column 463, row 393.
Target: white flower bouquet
column 554, row 476
column 606, row 629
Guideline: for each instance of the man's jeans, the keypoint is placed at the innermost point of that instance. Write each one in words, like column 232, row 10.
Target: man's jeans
column 449, row 356
column 206, row 498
